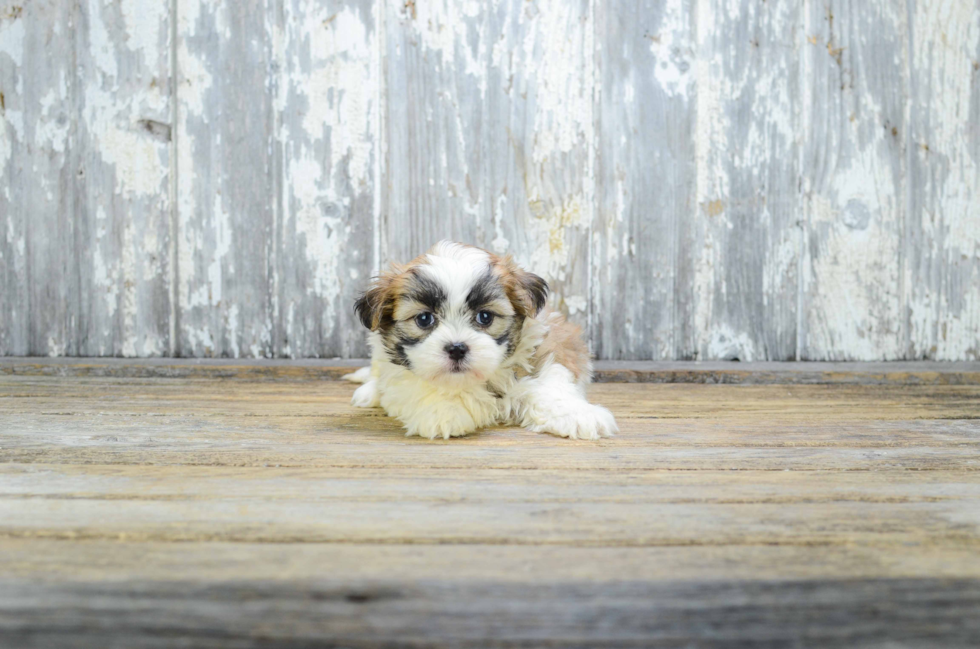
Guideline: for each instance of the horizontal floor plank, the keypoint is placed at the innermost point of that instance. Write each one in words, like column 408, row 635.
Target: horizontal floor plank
column 257, row 512
column 331, row 398
column 88, row 560
column 720, row 372
column 715, row 613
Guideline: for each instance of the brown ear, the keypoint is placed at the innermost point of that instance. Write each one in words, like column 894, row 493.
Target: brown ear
column 376, row 301
column 527, row 292
column 534, row 291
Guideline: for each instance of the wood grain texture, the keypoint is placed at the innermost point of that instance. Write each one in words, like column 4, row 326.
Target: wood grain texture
column 912, row 613
column 122, row 208
column 717, row 372
column 328, row 99
column 489, row 122
column 539, row 143
column 39, row 304
column 734, row 303
column 256, row 513
column 435, row 87
column 645, row 173
column 697, row 179
column 228, row 185
column 854, row 180
column 942, row 240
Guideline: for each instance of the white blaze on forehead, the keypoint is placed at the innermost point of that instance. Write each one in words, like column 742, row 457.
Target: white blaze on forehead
column 456, row 268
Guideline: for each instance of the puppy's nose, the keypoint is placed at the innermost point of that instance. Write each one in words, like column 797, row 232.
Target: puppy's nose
column 457, row 351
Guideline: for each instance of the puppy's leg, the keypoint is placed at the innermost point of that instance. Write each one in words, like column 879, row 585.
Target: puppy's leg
column 362, row 375
column 367, row 396
column 553, row 402
column 443, row 419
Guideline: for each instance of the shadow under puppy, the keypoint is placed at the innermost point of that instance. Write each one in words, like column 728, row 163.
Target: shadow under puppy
column 460, row 340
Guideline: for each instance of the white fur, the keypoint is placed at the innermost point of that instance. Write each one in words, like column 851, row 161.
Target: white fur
column 554, row 402
column 359, row 376
column 432, row 401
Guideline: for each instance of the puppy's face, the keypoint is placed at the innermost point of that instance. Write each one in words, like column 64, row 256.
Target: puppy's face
column 454, row 314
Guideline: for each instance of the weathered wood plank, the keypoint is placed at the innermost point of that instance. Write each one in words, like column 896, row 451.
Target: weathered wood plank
column 39, row 296
column 122, row 209
column 603, row 524
column 539, row 143
column 193, row 504
column 663, row 427
column 328, row 99
column 228, row 179
column 14, row 302
column 942, row 240
column 855, row 180
column 737, row 279
column 119, row 560
column 448, row 613
column 645, row 173
column 435, row 87
column 331, row 399
column 718, row 372
column 489, row 135
column 216, row 484
column 786, row 514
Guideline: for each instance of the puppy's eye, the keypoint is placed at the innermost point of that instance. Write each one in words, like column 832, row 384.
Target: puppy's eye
column 425, row 320
column 484, row 318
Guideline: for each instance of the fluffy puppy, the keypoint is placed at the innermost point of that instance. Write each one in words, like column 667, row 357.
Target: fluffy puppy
column 460, row 340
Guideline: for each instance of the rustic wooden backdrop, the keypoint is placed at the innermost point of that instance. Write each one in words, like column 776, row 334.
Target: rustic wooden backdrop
column 696, row 178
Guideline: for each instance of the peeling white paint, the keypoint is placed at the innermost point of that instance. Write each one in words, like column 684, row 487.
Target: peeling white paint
column 672, row 57
column 12, row 40
column 11, row 45
column 6, row 150
column 945, row 309
column 222, row 246
column 554, row 55
column 724, row 343
column 145, row 23
column 53, row 122
column 195, row 81
column 533, row 196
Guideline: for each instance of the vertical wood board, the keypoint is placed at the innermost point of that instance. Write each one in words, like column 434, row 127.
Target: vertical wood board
column 737, row 275
column 854, row 180
column 942, row 239
column 122, row 209
column 39, row 303
column 327, row 101
column 645, row 172
column 228, row 184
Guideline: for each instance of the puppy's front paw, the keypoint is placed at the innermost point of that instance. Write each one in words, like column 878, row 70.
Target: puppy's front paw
column 367, row 396
column 445, row 422
column 577, row 420
column 362, row 375
column 444, row 431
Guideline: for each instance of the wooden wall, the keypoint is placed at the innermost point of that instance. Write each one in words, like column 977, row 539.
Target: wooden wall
column 711, row 179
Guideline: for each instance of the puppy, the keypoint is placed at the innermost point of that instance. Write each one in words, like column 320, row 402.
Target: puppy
column 460, row 340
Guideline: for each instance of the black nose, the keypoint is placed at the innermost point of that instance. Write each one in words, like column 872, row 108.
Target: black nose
column 457, row 351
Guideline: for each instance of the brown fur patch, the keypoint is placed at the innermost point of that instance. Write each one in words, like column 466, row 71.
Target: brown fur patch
column 564, row 345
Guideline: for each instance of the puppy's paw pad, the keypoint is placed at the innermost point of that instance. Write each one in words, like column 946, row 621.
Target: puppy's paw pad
column 366, row 396
column 362, row 375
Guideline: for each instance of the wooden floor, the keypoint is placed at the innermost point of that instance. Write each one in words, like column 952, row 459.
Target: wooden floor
column 148, row 512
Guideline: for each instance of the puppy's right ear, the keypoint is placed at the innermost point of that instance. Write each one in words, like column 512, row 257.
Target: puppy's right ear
column 375, row 301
